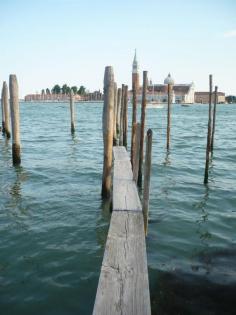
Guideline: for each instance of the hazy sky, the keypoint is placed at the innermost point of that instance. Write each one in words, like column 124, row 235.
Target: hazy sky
column 46, row 42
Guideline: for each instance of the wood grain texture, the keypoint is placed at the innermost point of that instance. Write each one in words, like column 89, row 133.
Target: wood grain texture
column 143, row 118
column 115, row 115
column 122, row 170
column 107, row 125
column 136, row 145
column 123, row 285
column 125, row 196
column 120, row 153
column 15, row 119
column 118, row 116
column 122, row 114
column 147, row 176
column 6, row 109
column 125, row 117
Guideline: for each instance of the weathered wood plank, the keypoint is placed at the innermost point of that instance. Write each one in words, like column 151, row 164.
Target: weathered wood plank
column 122, row 170
column 120, row 153
column 125, row 195
column 123, row 285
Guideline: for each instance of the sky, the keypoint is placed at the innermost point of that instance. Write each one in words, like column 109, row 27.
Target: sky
column 48, row 42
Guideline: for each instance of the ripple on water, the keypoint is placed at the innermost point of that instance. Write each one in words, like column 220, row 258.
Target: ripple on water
column 53, row 224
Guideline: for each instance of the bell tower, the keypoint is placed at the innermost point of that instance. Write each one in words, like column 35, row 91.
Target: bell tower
column 135, row 73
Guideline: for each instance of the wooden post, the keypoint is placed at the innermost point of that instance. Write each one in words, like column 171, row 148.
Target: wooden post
column 134, row 119
column 136, row 146
column 208, row 147
column 147, row 175
column 214, row 119
column 125, row 116
column 108, row 108
column 72, row 111
column 168, row 117
column 118, row 116
column 3, row 114
column 6, row 109
column 114, row 115
column 122, row 114
column 143, row 114
column 15, row 119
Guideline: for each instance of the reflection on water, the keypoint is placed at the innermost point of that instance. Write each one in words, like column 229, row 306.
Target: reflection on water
column 102, row 223
column 167, row 160
column 17, row 207
column 15, row 189
column 180, row 293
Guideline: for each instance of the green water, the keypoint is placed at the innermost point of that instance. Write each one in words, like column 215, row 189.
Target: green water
column 53, row 224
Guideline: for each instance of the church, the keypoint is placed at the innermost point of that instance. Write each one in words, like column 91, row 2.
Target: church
column 181, row 93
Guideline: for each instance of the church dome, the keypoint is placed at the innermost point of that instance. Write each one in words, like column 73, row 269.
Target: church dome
column 169, row 80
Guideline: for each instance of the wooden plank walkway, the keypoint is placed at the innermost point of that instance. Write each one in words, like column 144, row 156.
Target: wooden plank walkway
column 123, row 287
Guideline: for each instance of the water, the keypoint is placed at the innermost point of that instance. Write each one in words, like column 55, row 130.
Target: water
column 53, row 224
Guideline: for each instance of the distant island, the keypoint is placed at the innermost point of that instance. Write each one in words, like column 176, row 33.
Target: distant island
column 58, row 93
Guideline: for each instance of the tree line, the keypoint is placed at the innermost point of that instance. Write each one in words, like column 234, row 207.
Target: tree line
column 65, row 89
column 231, row 99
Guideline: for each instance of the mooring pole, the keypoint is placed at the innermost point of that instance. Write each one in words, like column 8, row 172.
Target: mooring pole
column 136, row 148
column 147, row 175
column 108, row 108
column 214, row 119
column 134, row 118
column 168, row 117
column 6, row 109
column 72, row 111
column 125, row 116
column 208, row 146
column 3, row 114
column 114, row 115
column 118, row 116
column 143, row 114
column 15, row 119
column 122, row 115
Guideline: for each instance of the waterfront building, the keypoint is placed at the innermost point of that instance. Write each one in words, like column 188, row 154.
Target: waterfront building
column 181, row 93
column 203, row 97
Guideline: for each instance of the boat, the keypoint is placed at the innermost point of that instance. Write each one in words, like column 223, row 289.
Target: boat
column 154, row 104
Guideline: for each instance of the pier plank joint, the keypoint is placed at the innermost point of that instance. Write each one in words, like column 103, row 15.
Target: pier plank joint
column 123, row 286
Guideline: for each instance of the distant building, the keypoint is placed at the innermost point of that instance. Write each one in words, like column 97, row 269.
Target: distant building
column 50, row 97
column 203, row 97
column 94, row 96
column 181, row 93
